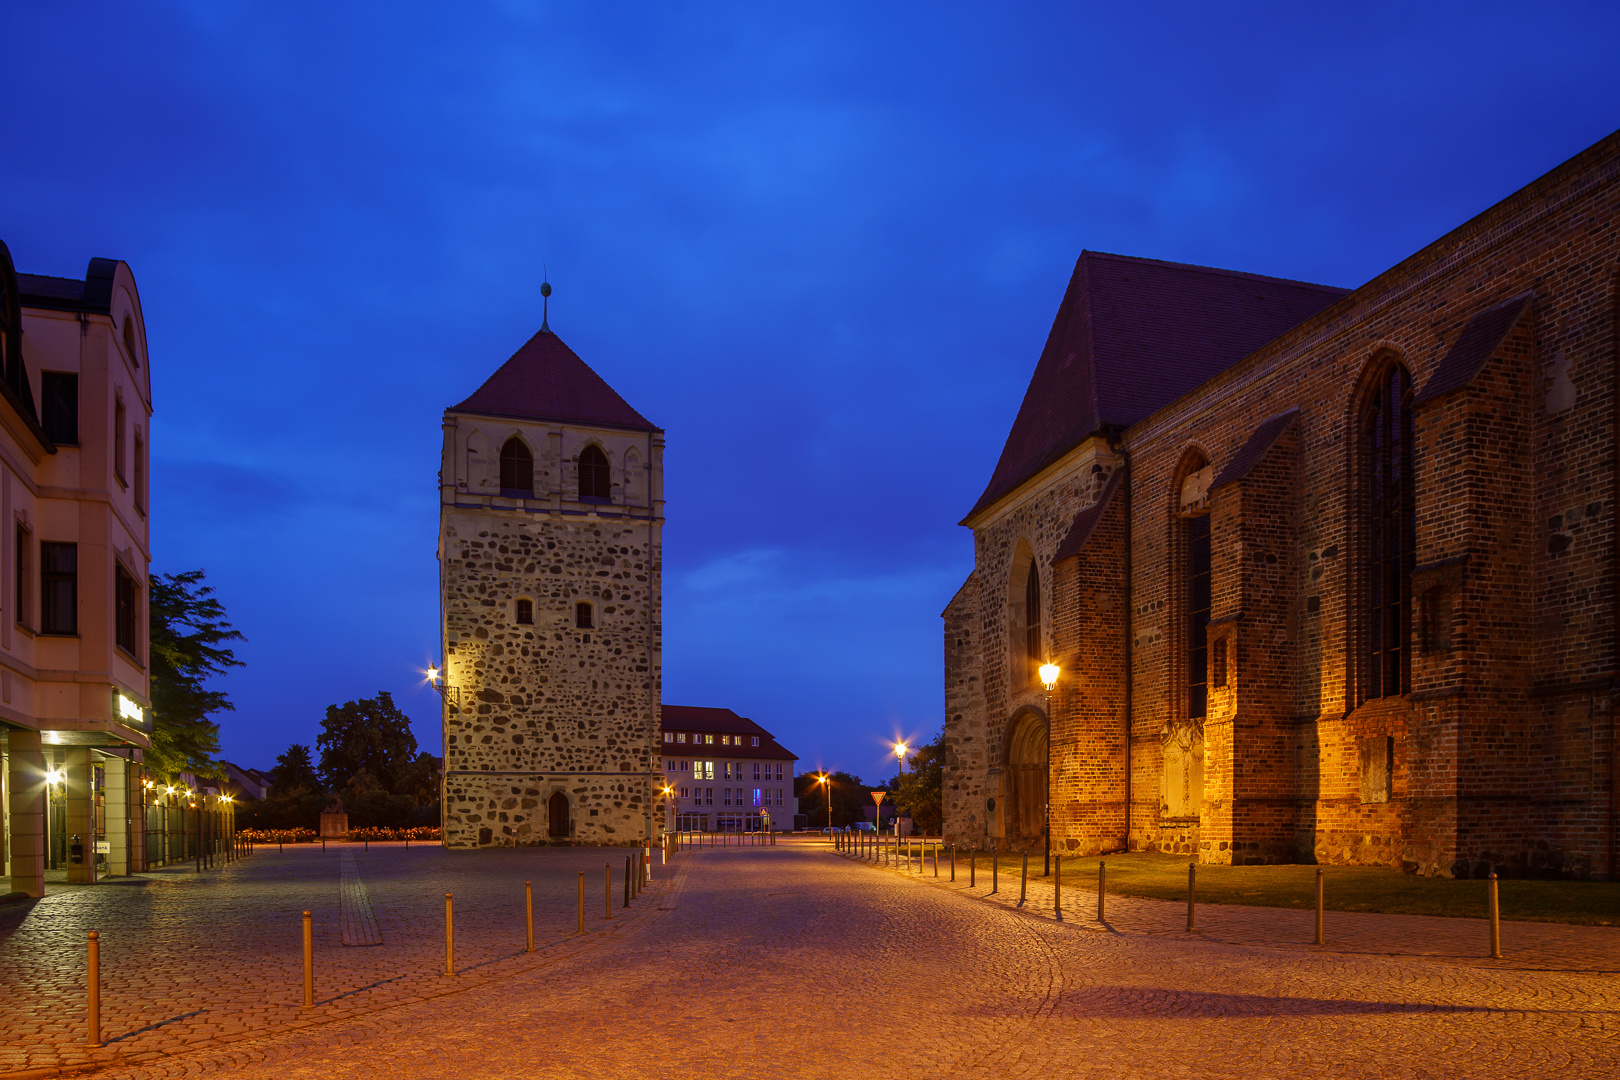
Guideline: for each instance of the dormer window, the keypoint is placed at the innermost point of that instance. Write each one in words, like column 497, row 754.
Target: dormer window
column 595, row 484
column 517, row 470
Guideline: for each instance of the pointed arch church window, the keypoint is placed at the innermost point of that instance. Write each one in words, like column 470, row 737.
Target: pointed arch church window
column 1389, row 536
column 595, row 485
column 517, row 470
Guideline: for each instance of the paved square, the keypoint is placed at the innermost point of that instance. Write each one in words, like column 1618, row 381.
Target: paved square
column 894, row 976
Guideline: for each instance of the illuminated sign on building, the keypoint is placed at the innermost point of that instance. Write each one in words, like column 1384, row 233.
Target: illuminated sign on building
column 128, row 710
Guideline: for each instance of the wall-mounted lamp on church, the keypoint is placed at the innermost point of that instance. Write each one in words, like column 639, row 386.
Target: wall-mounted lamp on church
column 436, row 680
column 1049, row 675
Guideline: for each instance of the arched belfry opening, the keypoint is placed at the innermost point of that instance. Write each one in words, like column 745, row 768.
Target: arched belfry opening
column 1024, row 813
column 557, row 816
column 517, row 469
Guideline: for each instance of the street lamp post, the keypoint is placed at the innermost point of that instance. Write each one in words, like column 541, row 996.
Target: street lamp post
column 1049, row 678
column 826, row 782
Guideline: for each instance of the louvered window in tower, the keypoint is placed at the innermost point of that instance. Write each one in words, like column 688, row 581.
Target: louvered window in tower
column 517, row 470
column 594, row 483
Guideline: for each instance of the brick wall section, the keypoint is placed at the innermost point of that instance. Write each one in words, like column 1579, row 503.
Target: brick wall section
column 1250, row 795
column 1503, row 753
column 1090, row 705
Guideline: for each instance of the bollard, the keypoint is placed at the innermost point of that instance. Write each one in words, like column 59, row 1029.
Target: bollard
column 1319, row 905
column 1496, row 920
column 995, row 871
column 1192, row 879
column 973, row 869
column 627, row 881
column 953, row 862
column 93, row 987
column 936, row 859
column 1102, row 887
column 1057, row 886
column 1023, row 880
column 607, row 890
column 528, row 917
column 309, row 963
column 582, row 901
column 323, row 843
column 449, row 936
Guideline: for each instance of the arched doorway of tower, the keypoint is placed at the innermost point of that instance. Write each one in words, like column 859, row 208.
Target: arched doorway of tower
column 557, row 816
column 1025, row 802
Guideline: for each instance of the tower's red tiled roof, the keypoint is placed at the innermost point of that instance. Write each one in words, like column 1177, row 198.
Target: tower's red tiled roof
column 1130, row 337
column 546, row 380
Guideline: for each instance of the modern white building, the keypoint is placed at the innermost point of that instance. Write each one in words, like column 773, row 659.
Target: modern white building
column 724, row 773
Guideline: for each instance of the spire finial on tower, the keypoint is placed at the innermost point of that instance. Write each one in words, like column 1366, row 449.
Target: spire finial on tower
column 545, row 299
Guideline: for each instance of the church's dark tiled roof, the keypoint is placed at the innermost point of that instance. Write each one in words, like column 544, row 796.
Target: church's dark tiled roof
column 1130, row 337
column 701, row 720
column 546, row 380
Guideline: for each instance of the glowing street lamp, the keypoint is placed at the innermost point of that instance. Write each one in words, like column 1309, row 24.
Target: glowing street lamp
column 826, row 782
column 900, row 751
column 1049, row 676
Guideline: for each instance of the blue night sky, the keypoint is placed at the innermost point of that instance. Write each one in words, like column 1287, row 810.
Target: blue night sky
column 820, row 245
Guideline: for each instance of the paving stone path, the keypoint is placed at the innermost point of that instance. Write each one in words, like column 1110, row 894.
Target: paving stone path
column 793, row 961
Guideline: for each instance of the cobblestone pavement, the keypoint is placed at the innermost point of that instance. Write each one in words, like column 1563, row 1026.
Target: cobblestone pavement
column 792, row 961
column 193, row 960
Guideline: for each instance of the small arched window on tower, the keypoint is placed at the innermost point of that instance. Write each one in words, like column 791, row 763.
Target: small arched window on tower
column 517, row 470
column 595, row 485
column 584, row 616
column 129, row 340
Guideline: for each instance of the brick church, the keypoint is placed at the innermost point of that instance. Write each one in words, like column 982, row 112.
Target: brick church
column 550, row 549
column 1330, row 575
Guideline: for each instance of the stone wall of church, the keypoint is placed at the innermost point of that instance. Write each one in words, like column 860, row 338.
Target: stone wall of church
column 1028, row 535
column 549, row 707
column 965, row 770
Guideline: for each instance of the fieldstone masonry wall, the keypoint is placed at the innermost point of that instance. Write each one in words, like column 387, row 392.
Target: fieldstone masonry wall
column 546, row 707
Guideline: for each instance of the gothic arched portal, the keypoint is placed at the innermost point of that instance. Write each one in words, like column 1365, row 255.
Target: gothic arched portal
column 1025, row 803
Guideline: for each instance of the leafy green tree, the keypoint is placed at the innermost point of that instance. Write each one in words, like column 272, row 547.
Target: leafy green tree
column 919, row 788
column 188, row 636
column 295, row 799
column 850, row 797
column 295, row 769
column 370, row 734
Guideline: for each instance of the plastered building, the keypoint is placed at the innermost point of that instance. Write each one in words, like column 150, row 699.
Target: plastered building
column 1331, row 575
column 75, row 412
column 551, row 515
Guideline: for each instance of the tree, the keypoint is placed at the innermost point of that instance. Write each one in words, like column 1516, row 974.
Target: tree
column 188, row 632
column 850, row 797
column 919, row 789
column 294, row 769
column 296, row 797
column 370, row 734
column 369, row 757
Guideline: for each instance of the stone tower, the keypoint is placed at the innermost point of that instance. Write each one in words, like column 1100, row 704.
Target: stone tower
column 550, row 537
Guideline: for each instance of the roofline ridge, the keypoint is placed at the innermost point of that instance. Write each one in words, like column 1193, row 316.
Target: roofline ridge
column 1220, row 270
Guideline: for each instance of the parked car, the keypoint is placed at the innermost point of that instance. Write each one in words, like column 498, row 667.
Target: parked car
column 826, row 829
column 865, row 826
